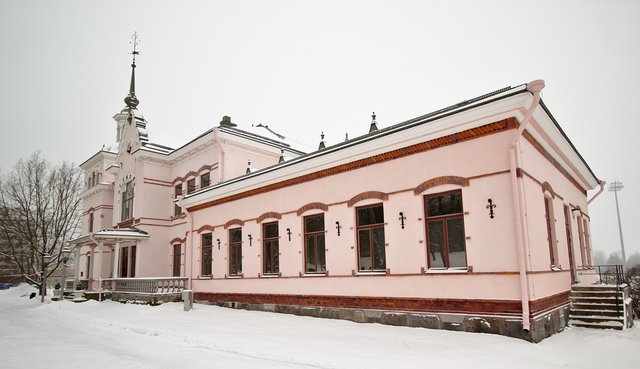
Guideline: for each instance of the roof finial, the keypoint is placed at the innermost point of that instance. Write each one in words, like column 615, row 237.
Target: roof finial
column 322, row 145
column 131, row 100
column 281, row 155
column 373, row 127
column 346, row 136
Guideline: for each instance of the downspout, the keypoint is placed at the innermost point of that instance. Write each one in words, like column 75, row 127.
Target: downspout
column 602, row 184
column 518, row 199
column 216, row 134
column 188, row 252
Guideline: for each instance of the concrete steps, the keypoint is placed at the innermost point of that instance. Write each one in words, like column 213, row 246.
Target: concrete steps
column 597, row 306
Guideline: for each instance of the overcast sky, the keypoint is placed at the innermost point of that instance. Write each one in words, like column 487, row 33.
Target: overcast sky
column 304, row 67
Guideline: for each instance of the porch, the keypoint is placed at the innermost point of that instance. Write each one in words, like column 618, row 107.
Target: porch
column 153, row 291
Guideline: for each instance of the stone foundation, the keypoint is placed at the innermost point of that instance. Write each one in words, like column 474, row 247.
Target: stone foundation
column 542, row 326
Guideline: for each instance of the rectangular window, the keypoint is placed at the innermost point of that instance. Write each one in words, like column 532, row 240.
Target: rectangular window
column 314, row 255
column 587, row 241
column 127, row 202
column 445, row 230
column 90, row 222
column 177, row 191
column 270, row 248
column 207, row 254
column 205, row 180
column 177, row 251
column 371, row 253
column 567, row 229
column 551, row 231
column 583, row 254
column 191, row 185
column 235, row 251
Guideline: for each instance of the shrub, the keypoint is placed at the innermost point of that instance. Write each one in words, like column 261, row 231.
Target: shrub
column 632, row 277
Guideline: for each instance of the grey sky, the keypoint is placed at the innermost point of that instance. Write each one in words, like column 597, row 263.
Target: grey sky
column 306, row 67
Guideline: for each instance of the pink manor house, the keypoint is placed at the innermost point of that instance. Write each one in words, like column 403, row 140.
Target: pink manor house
column 474, row 217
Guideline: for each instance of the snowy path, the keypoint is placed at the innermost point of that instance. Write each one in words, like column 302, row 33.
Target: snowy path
column 108, row 335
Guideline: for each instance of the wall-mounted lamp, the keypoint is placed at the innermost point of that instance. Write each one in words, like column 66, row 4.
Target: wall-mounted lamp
column 402, row 218
column 250, row 239
column 218, row 244
column 338, row 226
column 491, row 206
column 289, row 233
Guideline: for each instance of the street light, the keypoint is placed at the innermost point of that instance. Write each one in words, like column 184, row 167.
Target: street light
column 65, row 252
column 46, row 258
column 616, row 186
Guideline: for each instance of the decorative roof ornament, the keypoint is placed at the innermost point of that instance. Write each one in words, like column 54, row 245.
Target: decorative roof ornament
column 249, row 167
column 346, row 136
column 281, row 160
column 374, row 125
column 131, row 100
column 322, row 145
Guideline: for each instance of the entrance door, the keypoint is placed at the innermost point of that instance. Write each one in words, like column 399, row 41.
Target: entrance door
column 177, row 251
column 567, row 227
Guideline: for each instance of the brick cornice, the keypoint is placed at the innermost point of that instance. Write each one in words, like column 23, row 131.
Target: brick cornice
column 485, row 130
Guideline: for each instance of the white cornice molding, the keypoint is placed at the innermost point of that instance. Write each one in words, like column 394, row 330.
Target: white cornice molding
column 102, row 186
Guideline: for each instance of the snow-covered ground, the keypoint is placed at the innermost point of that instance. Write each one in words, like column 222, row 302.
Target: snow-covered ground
column 112, row 335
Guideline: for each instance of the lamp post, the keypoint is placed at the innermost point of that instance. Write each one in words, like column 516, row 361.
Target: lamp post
column 65, row 252
column 46, row 258
column 616, row 186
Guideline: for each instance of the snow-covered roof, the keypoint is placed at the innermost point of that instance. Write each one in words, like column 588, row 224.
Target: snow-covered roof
column 129, row 233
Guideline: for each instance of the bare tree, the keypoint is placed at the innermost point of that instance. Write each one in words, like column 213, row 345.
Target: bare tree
column 39, row 211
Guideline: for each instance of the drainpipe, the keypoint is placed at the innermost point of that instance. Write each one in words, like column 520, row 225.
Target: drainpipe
column 518, row 200
column 216, row 134
column 188, row 245
column 602, row 184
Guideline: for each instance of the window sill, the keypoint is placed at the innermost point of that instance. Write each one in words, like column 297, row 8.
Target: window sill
column 312, row 275
column 234, row 276
column 447, row 271
column 369, row 273
column 278, row 275
column 205, row 277
column 556, row 268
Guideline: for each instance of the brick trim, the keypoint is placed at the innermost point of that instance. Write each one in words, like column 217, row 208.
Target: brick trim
column 233, row 222
column 551, row 160
column 547, row 187
column 178, row 240
column 485, row 130
column 205, row 167
column 436, row 305
column 545, row 304
column 206, row 227
column 367, row 195
column 311, row 206
column 267, row 215
column 439, row 181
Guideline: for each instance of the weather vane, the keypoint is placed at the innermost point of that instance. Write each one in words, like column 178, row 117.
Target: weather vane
column 135, row 41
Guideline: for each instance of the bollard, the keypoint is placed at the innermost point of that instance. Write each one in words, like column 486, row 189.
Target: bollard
column 187, row 298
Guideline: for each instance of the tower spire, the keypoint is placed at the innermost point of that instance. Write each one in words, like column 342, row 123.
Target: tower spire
column 131, row 100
